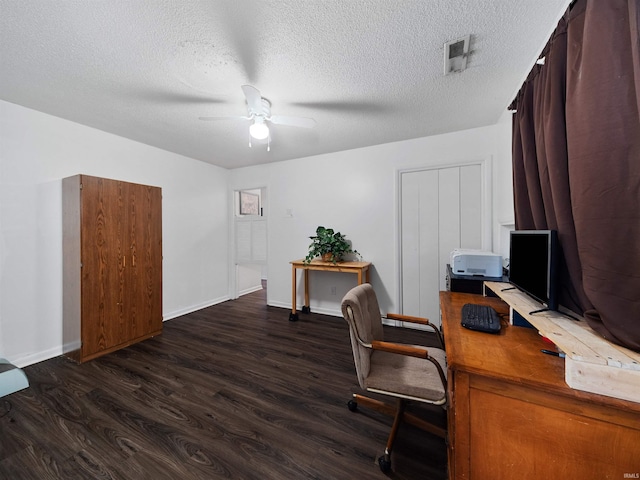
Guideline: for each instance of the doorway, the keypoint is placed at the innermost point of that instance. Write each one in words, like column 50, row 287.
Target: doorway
column 250, row 232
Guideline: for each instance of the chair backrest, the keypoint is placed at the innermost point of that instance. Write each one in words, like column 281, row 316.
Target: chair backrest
column 361, row 311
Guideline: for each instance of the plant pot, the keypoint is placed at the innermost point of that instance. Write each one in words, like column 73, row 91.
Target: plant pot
column 326, row 257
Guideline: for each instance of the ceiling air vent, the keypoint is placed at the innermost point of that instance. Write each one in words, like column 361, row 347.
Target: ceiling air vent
column 456, row 53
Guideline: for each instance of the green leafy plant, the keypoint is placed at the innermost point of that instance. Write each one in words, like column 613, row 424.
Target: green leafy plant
column 331, row 246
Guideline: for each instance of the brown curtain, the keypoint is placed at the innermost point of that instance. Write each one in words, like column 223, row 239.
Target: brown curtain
column 576, row 161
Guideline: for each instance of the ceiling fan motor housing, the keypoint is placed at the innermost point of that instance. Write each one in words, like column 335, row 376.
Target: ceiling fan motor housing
column 264, row 111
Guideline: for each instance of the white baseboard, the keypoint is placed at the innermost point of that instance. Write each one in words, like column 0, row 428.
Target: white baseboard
column 43, row 355
column 249, row 290
column 37, row 357
column 338, row 313
column 193, row 308
column 71, row 346
column 323, row 311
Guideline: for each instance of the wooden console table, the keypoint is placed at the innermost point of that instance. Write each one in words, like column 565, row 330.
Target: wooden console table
column 511, row 414
column 359, row 268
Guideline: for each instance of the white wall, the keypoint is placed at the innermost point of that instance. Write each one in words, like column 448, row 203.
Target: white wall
column 504, row 218
column 36, row 152
column 249, row 278
column 355, row 192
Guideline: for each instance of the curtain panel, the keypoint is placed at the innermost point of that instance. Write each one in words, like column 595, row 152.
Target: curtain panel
column 576, row 161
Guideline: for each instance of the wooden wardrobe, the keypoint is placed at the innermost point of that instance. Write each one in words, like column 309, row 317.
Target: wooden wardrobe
column 112, row 265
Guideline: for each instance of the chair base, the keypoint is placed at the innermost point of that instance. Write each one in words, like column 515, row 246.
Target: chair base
column 399, row 414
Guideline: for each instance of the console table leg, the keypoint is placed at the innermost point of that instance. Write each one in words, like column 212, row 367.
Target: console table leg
column 293, row 315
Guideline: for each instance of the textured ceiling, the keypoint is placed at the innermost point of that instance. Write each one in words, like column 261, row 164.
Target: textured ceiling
column 368, row 71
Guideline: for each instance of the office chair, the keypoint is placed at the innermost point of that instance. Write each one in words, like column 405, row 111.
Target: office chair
column 406, row 372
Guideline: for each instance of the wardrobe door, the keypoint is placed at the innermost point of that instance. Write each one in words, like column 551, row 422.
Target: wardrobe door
column 143, row 292
column 103, row 267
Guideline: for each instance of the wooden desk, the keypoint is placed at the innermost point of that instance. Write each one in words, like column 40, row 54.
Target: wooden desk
column 511, row 414
column 359, row 268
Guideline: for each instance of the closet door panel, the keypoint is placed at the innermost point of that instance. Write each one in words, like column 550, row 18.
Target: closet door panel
column 441, row 209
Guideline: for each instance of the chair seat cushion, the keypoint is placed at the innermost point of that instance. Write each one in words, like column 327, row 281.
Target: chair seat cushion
column 407, row 376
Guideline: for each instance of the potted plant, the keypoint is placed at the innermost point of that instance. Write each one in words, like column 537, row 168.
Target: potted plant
column 329, row 245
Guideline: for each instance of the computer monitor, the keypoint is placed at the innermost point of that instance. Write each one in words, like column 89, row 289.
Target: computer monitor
column 533, row 264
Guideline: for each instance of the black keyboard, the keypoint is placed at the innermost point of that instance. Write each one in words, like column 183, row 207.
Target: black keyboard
column 481, row 318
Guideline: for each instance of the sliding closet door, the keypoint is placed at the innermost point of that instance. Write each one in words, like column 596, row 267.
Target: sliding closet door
column 441, row 209
column 419, row 232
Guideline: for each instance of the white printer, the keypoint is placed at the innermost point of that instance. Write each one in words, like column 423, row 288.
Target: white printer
column 475, row 262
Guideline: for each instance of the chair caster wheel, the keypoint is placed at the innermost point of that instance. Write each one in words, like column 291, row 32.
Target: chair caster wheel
column 384, row 464
column 353, row 405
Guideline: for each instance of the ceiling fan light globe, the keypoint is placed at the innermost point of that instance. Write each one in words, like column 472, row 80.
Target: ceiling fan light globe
column 259, row 131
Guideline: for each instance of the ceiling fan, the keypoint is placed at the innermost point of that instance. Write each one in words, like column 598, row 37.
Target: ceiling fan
column 259, row 110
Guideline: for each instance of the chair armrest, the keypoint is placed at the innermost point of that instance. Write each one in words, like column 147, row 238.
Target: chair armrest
column 408, row 318
column 418, row 320
column 400, row 349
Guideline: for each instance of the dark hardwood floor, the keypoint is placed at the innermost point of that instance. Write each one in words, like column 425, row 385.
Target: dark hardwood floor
column 231, row 391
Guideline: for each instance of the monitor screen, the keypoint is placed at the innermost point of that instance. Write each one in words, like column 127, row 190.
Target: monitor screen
column 532, row 264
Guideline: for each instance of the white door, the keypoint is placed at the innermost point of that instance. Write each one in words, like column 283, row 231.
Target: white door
column 440, row 209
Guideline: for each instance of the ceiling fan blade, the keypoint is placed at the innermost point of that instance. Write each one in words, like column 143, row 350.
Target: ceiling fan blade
column 355, row 107
column 254, row 99
column 223, row 118
column 303, row 122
